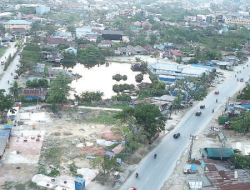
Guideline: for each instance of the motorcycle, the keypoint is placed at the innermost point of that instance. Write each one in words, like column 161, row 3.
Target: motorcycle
column 136, row 175
column 212, row 110
column 155, row 156
column 216, row 100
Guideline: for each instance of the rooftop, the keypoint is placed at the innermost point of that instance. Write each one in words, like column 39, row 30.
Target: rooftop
column 17, row 22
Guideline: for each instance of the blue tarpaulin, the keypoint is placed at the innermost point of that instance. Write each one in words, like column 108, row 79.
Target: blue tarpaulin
column 191, row 167
column 172, row 93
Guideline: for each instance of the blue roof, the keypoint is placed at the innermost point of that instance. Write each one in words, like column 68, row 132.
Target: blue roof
column 8, row 126
column 4, row 132
column 205, row 67
column 80, row 180
column 230, row 107
column 17, row 22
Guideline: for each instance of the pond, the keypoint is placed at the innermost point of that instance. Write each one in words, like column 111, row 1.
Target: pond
column 99, row 78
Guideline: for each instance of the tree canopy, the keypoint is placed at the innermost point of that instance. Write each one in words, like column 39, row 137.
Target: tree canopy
column 15, row 89
column 147, row 116
column 59, row 88
column 6, row 101
column 90, row 54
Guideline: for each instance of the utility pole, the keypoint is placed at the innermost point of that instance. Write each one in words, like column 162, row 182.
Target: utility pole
column 192, row 138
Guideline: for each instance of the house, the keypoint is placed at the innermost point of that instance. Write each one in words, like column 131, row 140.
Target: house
column 82, row 46
column 131, row 50
column 149, row 48
column 137, row 23
column 71, row 50
column 40, row 10
column 105, row 44
column 244, row 103
column 56, row 41
column 35, row 93
column 112, row 35
column 174, row 54
column 11, row 24
column 146, row 23
column 139, row 50
column 136, row 67
column 53, row 58
column 54, row 71
column 109, row 154
column 39, row 68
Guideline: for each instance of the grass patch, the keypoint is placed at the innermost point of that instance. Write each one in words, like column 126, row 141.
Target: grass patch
column 212, row 136
column 73, row 168
column 118, row 106
column 7, row 185
column 26, row 104
column 104, row 117
column 20, row 187
column 32, row 185
column 53, row 156
column 2, row 50
column 54, row 173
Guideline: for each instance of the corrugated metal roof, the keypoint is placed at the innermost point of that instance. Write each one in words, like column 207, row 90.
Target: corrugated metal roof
column 17, row 22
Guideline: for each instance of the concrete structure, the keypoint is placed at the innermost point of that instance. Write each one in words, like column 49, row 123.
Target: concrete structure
column 71, row 49
column 40, row 10
column 239, row 20
column 87, row 31
column 5, row 14
column 11, row 24
column 4, row 139
column 39, row 68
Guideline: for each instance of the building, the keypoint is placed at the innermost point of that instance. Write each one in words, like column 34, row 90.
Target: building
column 39, row 68
column 40, row 10
column 4, row 139
column 35, row 93
column 174, row 54
column 112, row 35
column 71, row 50
column 11, row 24
column 238, row 20
column 88, row 31
column 171, row 72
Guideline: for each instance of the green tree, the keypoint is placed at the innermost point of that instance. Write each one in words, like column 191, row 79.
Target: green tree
column 6, row 101
column 104, row 164
column 71, row 29
column 90, row 54
column 15, row 89
column 241, row 123
column 2, row 28
column 240, row 54
column 147, row 116
column 139, row 78
column 179, row 60
column 59, row 88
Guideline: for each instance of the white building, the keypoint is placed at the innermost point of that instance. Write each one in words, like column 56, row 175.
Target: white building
column 40, row 10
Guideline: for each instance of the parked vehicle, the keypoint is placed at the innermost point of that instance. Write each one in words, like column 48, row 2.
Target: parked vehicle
column 223, row 119
column 216, row 92
column 152, row 139
column 15, row 77
column 227, row 124
column 2, row 62
column 177, row 135
column 241, row 80
column 202, row 106
column 198, row 113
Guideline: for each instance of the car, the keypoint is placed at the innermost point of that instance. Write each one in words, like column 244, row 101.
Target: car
column 202, row 106
column 198, row 113
column 241, row 80
column 216, row 92
column 2, row 62
column 132, row 188
column 15, row 77
column 176, row 135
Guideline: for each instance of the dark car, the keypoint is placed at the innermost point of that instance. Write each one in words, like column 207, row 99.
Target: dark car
column 202, row 106
column 177, row 135
column 15, row 77
column 198, row 113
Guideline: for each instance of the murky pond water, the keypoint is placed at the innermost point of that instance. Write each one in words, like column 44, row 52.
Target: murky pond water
column 100, row 78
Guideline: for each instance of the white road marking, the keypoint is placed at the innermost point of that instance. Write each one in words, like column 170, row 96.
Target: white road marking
column 165, row 154
column 147, row 178
column 157, row 165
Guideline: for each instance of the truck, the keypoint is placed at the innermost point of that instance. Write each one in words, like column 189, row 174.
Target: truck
column 223, row 119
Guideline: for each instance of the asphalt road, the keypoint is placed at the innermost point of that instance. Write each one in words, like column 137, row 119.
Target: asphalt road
column 154, row 172
column 11, row 69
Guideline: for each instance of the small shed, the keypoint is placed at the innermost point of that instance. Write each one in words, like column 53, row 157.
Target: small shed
column 79, row 183
column 217, row 153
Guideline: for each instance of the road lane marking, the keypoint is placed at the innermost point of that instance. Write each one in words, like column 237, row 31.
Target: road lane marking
column 147, row 178
column 165, row 154
column 157, row 165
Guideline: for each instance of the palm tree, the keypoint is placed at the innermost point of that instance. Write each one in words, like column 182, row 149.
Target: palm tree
column 15, row 89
